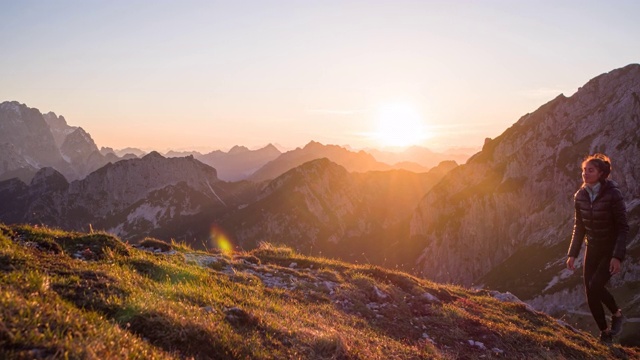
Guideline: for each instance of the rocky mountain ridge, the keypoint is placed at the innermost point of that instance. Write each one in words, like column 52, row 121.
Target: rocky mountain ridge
column 131, row 197
column 352, row 161
column 514, row 199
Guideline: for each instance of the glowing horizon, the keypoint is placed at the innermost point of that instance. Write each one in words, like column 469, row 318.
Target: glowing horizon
column 164, row 75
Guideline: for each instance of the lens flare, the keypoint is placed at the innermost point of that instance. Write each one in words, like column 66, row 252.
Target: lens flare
column 219, row 239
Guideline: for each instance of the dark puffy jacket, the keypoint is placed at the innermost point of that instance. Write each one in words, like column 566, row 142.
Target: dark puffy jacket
column 603, row 221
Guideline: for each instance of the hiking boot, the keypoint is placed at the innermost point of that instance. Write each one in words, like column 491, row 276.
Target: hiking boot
column 605, row 337
column 616, row 324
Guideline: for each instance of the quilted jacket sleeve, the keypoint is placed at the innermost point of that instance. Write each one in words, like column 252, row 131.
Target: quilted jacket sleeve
column 578, row 232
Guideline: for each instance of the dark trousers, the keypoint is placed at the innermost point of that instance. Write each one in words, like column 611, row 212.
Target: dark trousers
column 596, row 276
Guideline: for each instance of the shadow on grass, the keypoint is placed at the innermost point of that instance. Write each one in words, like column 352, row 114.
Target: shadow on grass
column 162, row 272
column 91, row 291
column 187, row 339
column 9, row 263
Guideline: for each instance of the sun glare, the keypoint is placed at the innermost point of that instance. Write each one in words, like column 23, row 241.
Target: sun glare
column 399, row 125
column 220, row 240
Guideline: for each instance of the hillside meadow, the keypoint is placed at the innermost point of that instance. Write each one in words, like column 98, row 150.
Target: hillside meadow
column 68, row 295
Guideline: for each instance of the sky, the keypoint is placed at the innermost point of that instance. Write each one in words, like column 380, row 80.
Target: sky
column 205, row 75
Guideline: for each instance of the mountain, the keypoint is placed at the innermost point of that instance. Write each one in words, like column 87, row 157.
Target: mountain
column 131, row 198
column 172, row 153
column 127, row 153
column 239, row 162
column 421, row 156
column 504, row 219
column 14, row 165
column 58, row 127
column 130, row 151
column 79, row 150
column 352, row 161
column 30, row 141
column 321, row 208
column 89, row 295
column 28, row 134
column 411, row 166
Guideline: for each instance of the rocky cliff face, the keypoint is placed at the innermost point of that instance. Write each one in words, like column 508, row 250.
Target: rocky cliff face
column 82, row 153
column 58, row 126
column 26, row 130
column 14, row 165
column 514, row 199
column 30, row 141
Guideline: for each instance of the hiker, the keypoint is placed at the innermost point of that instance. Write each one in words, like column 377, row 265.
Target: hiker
column 600, row 214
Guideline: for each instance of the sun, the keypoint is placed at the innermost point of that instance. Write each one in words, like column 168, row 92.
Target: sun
column 399, row 125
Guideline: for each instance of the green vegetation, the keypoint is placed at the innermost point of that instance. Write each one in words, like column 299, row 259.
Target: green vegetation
column 73, row 295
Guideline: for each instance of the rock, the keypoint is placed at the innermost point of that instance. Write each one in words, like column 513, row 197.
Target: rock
column 430, row 298
column 238, row 317
column 208, row 309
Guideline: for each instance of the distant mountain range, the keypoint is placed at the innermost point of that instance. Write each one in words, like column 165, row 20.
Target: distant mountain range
column 266, row 163
column 239, row 162
column 30, row 140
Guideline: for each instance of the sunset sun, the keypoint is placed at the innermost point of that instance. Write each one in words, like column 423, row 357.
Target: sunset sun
column 399, row 125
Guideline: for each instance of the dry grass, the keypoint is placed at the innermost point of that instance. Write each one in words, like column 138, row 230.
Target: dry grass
column 59, row 300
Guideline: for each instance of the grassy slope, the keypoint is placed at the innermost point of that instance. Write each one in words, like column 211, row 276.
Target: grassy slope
column 91, row 296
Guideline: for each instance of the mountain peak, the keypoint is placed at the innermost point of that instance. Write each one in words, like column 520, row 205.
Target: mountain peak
column 313, row 145
column 153, row 155
column 12, row 106
column 237, row 149
column 49, row 178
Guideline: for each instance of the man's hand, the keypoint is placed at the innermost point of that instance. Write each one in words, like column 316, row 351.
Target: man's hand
column 570, row 261
column 614, row 266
